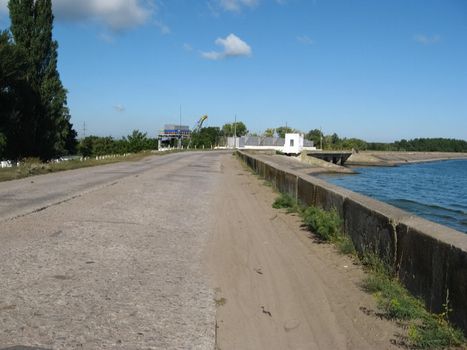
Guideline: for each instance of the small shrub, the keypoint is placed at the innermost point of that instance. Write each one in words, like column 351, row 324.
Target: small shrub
column 434, row 333
column 374, row 263
column 345, row 245
column 326, row 224
column 284, row 201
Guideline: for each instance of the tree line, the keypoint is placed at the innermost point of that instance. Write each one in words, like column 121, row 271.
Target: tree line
column 136, row 142
column 213, row 135
column 34, row 117
column 334, row 142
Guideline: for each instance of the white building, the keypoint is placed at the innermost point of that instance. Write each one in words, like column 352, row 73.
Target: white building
column 292, row 144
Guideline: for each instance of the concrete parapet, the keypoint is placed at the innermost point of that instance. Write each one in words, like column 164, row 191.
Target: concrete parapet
column 430, row 259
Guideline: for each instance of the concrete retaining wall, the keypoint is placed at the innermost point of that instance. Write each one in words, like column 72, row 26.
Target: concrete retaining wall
column 430, row 259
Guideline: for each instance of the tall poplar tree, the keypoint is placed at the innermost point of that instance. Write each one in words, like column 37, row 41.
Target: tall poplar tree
column 50, row 128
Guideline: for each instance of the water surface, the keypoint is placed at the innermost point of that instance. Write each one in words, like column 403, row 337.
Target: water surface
column 436, row 191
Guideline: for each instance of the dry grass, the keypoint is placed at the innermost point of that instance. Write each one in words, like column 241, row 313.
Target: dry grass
column 31, row 167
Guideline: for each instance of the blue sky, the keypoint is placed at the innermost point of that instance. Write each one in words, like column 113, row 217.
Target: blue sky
column 377, row 70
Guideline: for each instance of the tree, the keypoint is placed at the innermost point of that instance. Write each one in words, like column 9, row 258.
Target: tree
column 239, row 127
column 206, row 137
column 315, row 135
column 50, row 127
column 282, row 130
column 19, row 102
column 2, row 145
column 137, row 141
column 269, row 132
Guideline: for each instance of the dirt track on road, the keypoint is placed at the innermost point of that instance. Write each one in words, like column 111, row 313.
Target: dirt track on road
column 140, row 262
column 262, row 259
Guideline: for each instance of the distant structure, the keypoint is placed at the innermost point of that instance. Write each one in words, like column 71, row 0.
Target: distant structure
column 292, row 143
column 172, row 135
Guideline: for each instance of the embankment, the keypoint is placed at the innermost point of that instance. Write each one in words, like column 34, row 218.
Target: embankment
column 380, row 158
column 429, row 259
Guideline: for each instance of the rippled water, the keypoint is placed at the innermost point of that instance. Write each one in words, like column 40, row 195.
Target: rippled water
column 436, row 191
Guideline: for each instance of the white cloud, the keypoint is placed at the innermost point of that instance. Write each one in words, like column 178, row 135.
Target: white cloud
column 164, row 28
column 237, row 5
column 232, row 46
column 114, row 14
column 427, row 40
column 107, row 37
column 187, row 47
column 120, row 108
column 305, row 40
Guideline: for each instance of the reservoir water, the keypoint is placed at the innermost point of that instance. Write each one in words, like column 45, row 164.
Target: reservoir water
column 436, row 191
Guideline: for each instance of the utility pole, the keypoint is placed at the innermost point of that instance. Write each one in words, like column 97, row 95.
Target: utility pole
column 180, row 129
column 235, row 132
column 84, row 130
column 321, row 138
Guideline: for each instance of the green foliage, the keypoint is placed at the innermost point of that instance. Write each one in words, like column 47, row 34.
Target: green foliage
column 282, row 130
column 431, row 145
column 425, row 330
column 334, row 142
column 314, row 135
column 269, row 132
column 284, row 201
column 34, row 115
column 136, row 142
column 434, row 332
column 238, row 127
column 326, row 224
column 99, row 146
column 374, row 263
column 344, row 244
column 206, row 137
column 392, row 297
column 2, row 145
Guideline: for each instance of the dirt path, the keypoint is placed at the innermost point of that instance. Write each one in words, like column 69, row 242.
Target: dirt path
column 275, row 287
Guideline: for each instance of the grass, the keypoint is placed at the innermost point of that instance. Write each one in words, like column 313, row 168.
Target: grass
column 325, row 224
column 425, row 330
column 284, row 201
column 33, row 166
column 220, row 302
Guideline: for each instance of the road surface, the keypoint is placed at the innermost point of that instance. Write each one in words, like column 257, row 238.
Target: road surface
column 181, row 251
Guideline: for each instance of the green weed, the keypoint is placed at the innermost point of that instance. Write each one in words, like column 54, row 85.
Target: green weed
column 434, row 332
column 326, row 224
column 345, row 245
column 425, row 330
column 285, row 201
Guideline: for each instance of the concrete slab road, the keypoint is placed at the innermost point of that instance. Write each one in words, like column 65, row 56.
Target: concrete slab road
column 118, row 267
column 176, row 252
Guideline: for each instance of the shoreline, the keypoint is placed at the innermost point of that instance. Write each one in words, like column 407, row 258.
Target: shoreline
column 391, row 159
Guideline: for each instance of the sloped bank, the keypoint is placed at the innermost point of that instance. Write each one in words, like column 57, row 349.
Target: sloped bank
column 429, row 259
